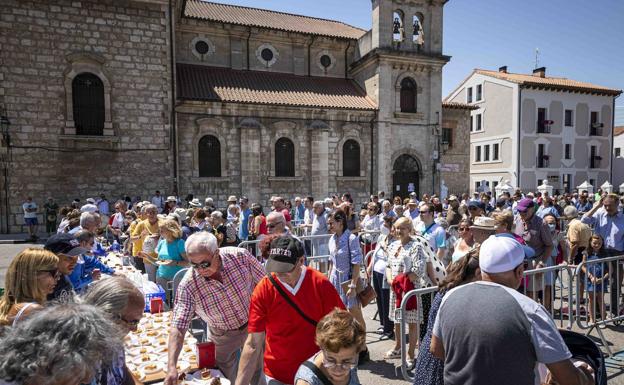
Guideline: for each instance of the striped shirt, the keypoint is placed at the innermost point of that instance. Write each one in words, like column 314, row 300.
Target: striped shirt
column 223, row 305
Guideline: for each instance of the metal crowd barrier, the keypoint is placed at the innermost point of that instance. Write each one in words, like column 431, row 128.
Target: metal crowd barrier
column 600, row 298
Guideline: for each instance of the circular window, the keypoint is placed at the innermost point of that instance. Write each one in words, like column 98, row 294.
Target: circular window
column 326, row 61
column 266, row 54
column 202, row 47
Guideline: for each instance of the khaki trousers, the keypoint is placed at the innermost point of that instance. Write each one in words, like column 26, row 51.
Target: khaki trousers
column 228, row 346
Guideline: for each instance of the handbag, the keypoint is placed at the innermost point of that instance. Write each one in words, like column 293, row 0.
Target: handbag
column 363, row 288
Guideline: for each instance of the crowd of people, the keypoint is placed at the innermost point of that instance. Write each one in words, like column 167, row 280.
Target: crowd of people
column 275, row 320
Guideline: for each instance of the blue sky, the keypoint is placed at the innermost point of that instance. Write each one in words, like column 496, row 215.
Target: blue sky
column 578, row 39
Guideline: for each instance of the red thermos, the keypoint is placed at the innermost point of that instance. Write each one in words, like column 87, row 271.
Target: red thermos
column 156, row 305
column 206, row 354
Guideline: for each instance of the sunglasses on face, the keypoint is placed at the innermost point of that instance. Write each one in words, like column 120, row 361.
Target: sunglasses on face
column 201, row 265
column 425, row 212
column 463, row 229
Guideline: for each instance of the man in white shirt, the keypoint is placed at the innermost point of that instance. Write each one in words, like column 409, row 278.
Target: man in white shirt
column 158, row 201
column 30, row 217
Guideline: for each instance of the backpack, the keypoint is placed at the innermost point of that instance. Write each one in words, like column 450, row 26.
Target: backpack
column 231, row 232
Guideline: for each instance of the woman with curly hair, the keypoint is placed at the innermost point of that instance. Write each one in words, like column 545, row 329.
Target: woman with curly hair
column 31, row 276
column 340, row 337
column 59, row 345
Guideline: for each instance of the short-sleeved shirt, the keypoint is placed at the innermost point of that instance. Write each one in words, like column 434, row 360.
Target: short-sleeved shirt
column 29, row 205
column 434, row 234
column 306, row 374
column 537, row 235
column 492, row 334
column 223, row 305
column 243, row 231
column 289, row 338
column 170, row 252
column 579, row 233
column 319, row 224
column 610, row 228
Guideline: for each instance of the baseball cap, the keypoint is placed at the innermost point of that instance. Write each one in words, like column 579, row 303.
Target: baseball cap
column 524, row 205
column 500, row 254
column 283, row 255
column 65, row 244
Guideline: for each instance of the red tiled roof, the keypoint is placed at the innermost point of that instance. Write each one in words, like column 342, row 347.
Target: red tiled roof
column 619, row 130
column 550, row 82
column 461, row 106
column 197, row 82
column 255, row 17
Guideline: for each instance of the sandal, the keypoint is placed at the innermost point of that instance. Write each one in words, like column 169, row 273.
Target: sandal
column 390, row 354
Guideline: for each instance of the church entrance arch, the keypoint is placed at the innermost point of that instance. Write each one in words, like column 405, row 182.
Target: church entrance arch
column 405, row 176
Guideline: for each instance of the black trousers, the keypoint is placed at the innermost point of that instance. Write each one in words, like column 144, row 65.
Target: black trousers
column 383, row 302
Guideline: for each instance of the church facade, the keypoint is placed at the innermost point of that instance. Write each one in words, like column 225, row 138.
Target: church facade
column 125, row 98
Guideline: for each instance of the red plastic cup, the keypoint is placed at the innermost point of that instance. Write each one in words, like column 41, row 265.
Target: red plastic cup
column 206, row 354
column 156, row 305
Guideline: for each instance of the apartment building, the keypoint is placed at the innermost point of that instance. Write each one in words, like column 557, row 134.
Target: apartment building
column 528, row 128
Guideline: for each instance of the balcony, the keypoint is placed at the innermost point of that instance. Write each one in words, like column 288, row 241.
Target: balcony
column 543, row 161
column 595, row 129
column 543, row 126
column 594, row 161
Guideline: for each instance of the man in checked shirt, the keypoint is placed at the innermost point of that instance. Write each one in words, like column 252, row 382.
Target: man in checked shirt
column 218, row 289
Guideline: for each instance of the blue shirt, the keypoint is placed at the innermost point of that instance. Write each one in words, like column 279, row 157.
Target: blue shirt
column 610, row 228
column 243, row 231
column 543, row 211
column 434, row 234
column 169, row 251
column 300, row 211
column 81, row 276
column 583, row 208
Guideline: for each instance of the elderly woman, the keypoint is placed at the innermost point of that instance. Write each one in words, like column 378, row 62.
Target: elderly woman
column 171, row 253
column 30, row 278
column 346, row 260
column 145, row 237
column 377, row 269
column 60, row 345
column 339, row 336
column 408, row 261
column 123, row 302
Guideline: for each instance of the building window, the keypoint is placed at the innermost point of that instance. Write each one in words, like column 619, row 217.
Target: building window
column 495, row 151
column 477, row 153
column 408, row 95
column 326, row 61
column 477, row 185
column 88, row 103
column 567, row 182
column 617, row 152
column 284, row 157
column 568, row 152
column 486, row 153
column 209, row 155
column 201, row 47
column 543, row 125
column 494, row 184
column 471, row 123
column 398, row 30
column 447, row 137
column 592, row 182
column 417, row 30
column 351, row 158
column 594, row 158
column 568, row 118
column 479, row 95
column 595, row 127
column 469, row 95
column 267, row 54
column 542, row 158
column 479, row 119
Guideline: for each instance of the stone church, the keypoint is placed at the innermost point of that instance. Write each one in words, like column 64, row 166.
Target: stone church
column 125, row 97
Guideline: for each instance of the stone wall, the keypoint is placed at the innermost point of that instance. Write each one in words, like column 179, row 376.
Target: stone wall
column 455, row 162
column 44, row 44
column 247, row 135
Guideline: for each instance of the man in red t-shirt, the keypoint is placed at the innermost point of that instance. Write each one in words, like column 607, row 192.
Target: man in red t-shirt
column 280, row 206
column 287, row 337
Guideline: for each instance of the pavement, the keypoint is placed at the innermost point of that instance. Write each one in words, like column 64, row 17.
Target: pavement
column 378, row 371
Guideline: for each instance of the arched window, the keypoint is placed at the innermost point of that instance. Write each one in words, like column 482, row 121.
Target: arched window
column 398, row 29
column 284, row 157
column 408, row 95
column 351, row 158
column 418, row 34
column 209, row 153
column 88, row 103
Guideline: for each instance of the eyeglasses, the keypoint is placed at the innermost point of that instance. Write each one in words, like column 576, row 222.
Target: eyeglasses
column 201, row 265
column 463, row 229
column 345, row 365
column 133, row 323
column 54, row 273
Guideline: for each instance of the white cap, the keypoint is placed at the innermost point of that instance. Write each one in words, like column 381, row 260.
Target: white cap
column 91, row 200
column 500, row 254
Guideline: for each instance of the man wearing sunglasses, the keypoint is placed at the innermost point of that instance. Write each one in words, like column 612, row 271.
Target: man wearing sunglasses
column 67, row 249
column 217, row 288
column 283, row 314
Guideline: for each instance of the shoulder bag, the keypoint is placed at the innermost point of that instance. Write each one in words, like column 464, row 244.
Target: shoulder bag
column 290, row 301
column 317, row 372
column 364, row 290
